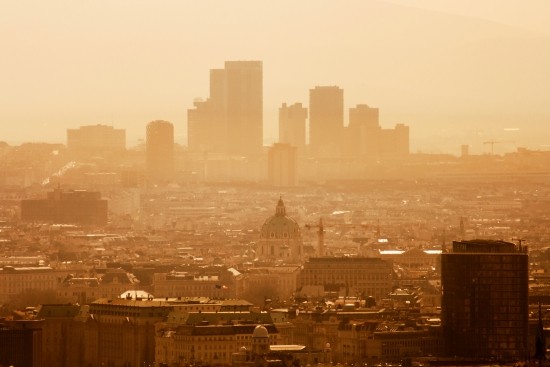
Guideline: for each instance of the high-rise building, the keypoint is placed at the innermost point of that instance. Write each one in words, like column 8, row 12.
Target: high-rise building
column 160, row 150
column 363, row 131
column 96, row 139
column 282, row 165
column 231, row 119
column 292, row 125
column 484, row 304
column 326, row 120
column 394, row 143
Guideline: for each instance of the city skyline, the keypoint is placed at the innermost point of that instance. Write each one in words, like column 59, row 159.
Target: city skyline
column 480, row 77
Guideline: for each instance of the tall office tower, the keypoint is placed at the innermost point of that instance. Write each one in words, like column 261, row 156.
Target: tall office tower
column 206, row 130
column 292, row 125
column 244, row 98
column 160, row 150
column 326, row 120
column 96, row 139
column 484, row 304
column 231, row 119
column 282, row 166
column 362, row 137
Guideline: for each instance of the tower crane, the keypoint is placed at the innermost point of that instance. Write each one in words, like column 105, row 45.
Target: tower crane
column 493, row 142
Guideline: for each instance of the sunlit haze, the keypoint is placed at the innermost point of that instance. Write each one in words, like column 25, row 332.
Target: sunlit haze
column 456, row 72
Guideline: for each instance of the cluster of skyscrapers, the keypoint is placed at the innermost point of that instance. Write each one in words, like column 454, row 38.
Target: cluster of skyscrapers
column 225, row 135
column 230, row 120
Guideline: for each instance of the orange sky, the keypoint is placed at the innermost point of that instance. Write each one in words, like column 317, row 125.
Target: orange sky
column 456, row 71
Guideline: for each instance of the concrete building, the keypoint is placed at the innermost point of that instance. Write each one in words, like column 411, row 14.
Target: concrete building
column 230, row 121
column 21, row 343
column 278, row 282
column 292, row 125
column 56, row 334
column 282, row 165
column 84, row 290
column 160, row 150
column 15, row 280
column 484, row 310
column 96, row 139
column 220, row 283
column 66, row 207
column 376, row 341
column 365, row 138
column 326, row 120
column 347, row 276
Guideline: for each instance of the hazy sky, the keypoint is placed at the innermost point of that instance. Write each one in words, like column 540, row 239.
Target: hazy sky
column 457, row 72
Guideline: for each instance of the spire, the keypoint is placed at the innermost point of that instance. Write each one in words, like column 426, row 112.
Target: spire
column 280, row 210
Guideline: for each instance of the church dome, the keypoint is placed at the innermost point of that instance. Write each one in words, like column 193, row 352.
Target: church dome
column 260, row 332
column 280, row 226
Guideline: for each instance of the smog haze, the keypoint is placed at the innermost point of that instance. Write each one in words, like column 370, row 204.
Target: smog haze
column 456, row 73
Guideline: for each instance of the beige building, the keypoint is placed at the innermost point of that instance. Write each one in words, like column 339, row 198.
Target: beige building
column 275, row 281
column 326, row 120
column 15, row 280
column 348, row 276
column 85, row 290
column 160, row 150
column 414, row 258
column 292, row 125
column 221, row 284
column 230, row 121
column 209, row 338
column 375, row 341
column 96, row 139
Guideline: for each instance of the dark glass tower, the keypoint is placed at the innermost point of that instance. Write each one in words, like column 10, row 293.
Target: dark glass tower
column 485, row 300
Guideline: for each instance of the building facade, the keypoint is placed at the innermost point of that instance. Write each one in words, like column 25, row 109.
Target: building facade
column 21, row 343
column 326, row 120
column 160, row 150
column 96, row 139
column 359, row 276
column 485, row 300
column 230, row 121
column 67, row 207
column 292, row 125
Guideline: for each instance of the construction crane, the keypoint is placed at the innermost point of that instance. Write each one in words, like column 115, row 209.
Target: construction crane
column 320, row 236
column 493, row 142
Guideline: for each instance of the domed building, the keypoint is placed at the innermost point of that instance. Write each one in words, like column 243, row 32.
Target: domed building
column 280, row 237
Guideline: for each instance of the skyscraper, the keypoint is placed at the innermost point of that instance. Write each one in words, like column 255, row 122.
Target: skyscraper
column 363, row 131
column 231, row 119
column 292, row 125
column 326, row 121
column 484, row 304
column 244, row 88
column 160, row 150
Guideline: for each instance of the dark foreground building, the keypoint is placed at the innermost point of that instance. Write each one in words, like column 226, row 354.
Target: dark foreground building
column 485, row 300
column 69, row 207
column 21, row 343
